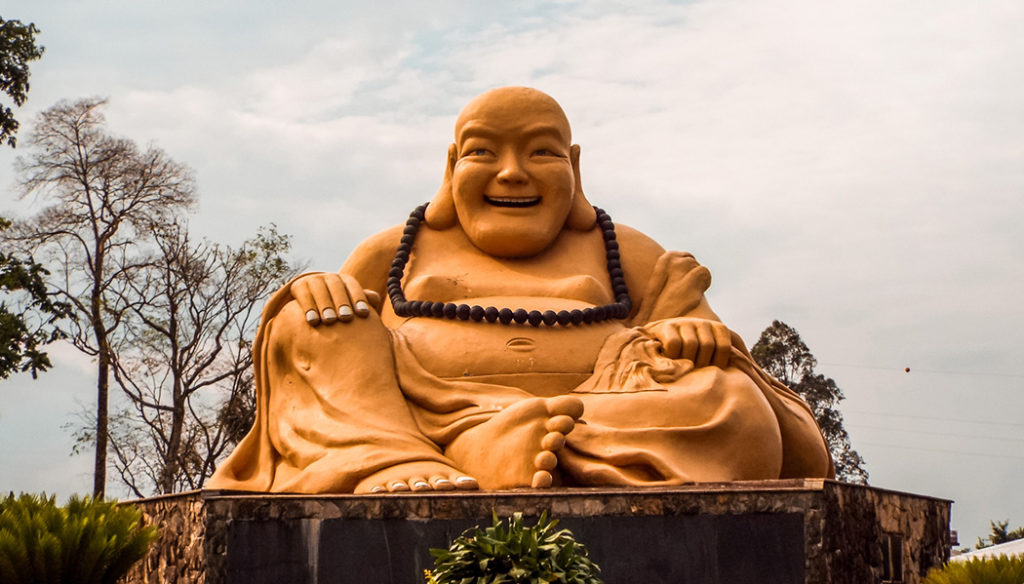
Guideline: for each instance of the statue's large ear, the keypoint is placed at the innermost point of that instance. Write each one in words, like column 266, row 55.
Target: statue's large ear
column 441, row 211
column 582, row 216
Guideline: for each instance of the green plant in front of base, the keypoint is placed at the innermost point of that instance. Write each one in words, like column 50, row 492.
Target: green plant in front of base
column 85, row 542
column 993, row 570
column 510, row 552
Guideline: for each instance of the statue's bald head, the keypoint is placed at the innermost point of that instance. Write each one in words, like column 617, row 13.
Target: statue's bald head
column 512, row 176
column 513, row 103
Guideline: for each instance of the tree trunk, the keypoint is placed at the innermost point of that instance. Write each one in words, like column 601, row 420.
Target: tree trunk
column 99, row 484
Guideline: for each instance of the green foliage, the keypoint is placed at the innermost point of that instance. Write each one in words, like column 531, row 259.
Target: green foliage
column 995, row 570
column 782, row 353
column 1000, row 534
column 28, row 321
column 510, row 552
column 17, row 49
column 86, row 541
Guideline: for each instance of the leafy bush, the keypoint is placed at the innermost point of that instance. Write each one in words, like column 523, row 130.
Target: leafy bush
column 85, row 542
column 511, row 552
column 992, row 570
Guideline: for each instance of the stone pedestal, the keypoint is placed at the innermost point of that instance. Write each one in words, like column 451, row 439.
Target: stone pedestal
column 785, row 532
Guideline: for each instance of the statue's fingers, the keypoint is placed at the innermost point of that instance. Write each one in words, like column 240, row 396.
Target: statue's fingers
column 723, row 345
column 300, row 292
column 706, row 344
column 688, row 337
column 671, row 342
column 373, row 298
column 339, row 297
column 356, row 295
column 322, row 298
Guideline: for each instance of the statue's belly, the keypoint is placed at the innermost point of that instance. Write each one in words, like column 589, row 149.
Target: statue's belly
column 542, row 360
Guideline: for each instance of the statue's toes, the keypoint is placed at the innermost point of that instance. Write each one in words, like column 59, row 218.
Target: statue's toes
column 464, row 483
column 398, row 486
column 561, row 424
column 418, row 484
column 441, row 483
column 553, row 441
column 542, row 479
column 565, row 405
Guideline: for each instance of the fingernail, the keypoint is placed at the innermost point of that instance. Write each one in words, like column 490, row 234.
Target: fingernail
column 421, row 485
column 378, row 489
column 362, row 308
column 464, row 480
column 345, row 312
column 330, row 315
column 312, row 317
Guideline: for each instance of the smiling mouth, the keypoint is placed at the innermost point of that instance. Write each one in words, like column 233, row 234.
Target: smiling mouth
column 517, row 202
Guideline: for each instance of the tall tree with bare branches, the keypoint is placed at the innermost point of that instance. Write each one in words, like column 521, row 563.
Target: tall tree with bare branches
column 186, row 358
column 104, row 195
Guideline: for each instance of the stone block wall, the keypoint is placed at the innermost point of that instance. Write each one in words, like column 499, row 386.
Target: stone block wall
column 797, row 531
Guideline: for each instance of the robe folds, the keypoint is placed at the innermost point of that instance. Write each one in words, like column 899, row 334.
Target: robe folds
column 337, row 404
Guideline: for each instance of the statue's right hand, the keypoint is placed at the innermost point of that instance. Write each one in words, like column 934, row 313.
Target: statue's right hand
column 328, row 298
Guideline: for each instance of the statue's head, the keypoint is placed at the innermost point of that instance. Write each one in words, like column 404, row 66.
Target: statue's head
column 512, row 177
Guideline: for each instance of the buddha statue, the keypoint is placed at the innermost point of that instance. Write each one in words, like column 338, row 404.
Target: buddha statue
column 510, row 335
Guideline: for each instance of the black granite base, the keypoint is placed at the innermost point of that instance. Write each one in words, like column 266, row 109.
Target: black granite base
column 777, row 532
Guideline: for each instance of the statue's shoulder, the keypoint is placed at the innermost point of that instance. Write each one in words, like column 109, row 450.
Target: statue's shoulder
column 371, row 259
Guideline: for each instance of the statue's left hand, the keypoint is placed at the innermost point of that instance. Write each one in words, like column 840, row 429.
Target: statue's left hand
column 705, row 342
column 327, row 297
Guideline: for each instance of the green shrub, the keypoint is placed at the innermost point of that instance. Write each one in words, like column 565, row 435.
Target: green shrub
column 992, row 570
column 84, row 542
column 511, row 552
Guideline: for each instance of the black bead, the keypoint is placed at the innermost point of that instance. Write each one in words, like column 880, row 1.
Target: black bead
column 550, row 317
column 564, row 317
column 491, row 314
column 612, row 254
column 407, row 241
column 476, row 313
column 437, row 309
column 535, row 317
column 576, row 316
column 620, row 289
column 614, row 265
column 395, row 272
column 600, row 313
column 505, row 315
column 607, row 225
column 413, row 221
column 611, row 245
column 615, row 272
column 462, row 312
column 402, row 255
column 427, row 308
column 413, row 308
column 410, row 229
column 520, row 315
column 450, row 310
column 400, row 307
column 404, row 247
column 588, row 315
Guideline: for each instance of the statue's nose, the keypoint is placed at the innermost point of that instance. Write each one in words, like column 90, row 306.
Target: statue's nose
column 512, row 171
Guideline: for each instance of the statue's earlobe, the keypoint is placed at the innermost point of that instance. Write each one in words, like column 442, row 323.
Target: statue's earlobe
column 582, row 216
column 441, row 211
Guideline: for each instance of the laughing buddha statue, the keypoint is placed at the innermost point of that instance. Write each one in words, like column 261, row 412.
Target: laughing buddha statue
column 522, row 340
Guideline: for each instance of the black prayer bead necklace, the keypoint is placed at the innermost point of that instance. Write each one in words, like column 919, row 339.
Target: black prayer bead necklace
column 450, row 310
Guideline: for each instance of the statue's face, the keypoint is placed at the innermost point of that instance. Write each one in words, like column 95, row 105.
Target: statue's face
column 513, row 180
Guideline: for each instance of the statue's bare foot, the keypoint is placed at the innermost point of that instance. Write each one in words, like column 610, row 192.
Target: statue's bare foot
column 518, row 446
column 417, row 476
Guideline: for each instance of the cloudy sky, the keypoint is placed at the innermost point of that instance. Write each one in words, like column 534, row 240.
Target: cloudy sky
column 855, row 169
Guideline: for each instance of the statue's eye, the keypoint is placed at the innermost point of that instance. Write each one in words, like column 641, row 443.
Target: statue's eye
column 478, row 152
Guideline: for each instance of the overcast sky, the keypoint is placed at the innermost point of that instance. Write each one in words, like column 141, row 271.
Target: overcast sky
column 855, row 169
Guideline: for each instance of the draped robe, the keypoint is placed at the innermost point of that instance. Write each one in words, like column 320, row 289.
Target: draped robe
column 337, row 404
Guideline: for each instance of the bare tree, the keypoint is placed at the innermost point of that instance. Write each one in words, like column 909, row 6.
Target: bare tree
column 186, row 355
column 105, row 195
